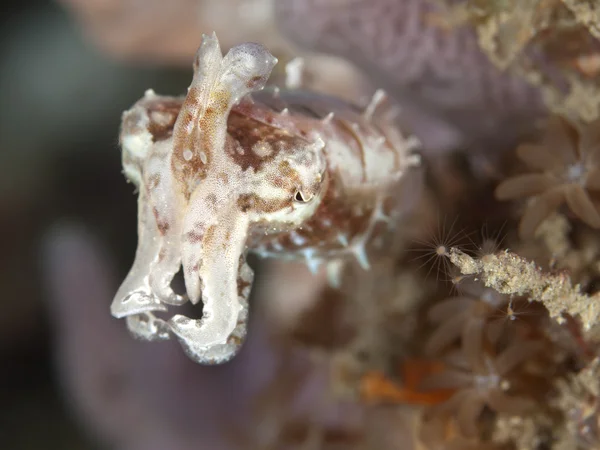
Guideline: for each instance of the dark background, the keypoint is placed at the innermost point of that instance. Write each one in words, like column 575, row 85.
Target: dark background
column 59, row 162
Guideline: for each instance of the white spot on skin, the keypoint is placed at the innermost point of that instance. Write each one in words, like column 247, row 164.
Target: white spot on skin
column 326, row 222
column 160, row 118
column 203, row 157
column 297, row 239
column 379, row 141
column 262, row 149
column 188, row 154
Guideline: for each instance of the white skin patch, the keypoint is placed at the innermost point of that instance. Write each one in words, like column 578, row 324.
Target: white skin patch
column 262, row 149
column 203, row 157
column 198, row 206
column 297, row 239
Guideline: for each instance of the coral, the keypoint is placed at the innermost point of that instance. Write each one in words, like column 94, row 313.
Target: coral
column 482, row 383
column 580, row 399
column 567, row 169
column 435, row 248
column 509, row 273
column 554, row 231
column 586, row 12
column 553, row 44
column 523, row 432
column 465, row 316
column 578, row 257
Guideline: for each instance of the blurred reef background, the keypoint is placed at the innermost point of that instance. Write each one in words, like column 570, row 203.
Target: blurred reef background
column 478, row 327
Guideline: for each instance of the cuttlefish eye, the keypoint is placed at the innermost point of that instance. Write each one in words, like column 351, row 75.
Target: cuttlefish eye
column 301, row 197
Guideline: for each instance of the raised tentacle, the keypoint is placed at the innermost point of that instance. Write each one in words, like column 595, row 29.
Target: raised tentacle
column 218, row 84
column 147, row 287
column 135, row 296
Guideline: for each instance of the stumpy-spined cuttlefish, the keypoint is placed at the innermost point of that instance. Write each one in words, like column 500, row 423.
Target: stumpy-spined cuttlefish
column 220, row 173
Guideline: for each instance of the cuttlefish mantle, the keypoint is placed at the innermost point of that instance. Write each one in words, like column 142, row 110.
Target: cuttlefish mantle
column 219, row 173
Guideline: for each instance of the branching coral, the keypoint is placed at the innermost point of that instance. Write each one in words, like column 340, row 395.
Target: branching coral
column 509, row 273
column 566, row 168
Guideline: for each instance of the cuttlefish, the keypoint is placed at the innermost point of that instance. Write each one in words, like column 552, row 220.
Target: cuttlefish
column 233, row 168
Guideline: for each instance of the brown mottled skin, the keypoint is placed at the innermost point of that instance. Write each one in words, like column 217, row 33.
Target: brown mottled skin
column 251, row 123
column 340, row 218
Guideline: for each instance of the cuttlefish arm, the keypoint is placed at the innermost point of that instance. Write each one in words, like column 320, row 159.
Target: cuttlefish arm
column 215, row 254
column 173, row 151
column 219, row 82
column 146, row 156
column 180, row 178
column 214, row 230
